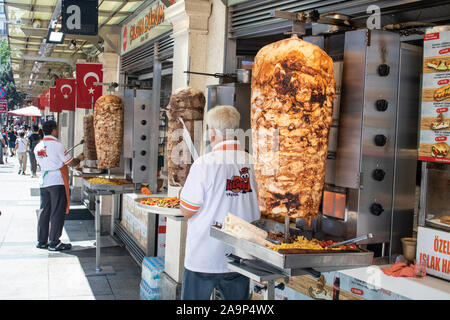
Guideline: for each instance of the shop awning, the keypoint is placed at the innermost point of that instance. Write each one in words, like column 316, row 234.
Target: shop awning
column 30, row 111
column 35, row 63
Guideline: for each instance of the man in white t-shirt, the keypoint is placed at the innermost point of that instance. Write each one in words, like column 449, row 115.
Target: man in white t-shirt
column 218, row 183
column 54, row 188
column 21, row 152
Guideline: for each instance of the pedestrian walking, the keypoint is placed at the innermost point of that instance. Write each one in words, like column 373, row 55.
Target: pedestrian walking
column 5, row 149
column 54, row 188
column 21, row 151
column 12, row 137
column 3, row 145
column 33, row 140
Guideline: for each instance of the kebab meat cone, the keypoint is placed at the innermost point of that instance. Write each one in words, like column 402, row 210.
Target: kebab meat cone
column 293, row 88
column 187, row 104
column 89, row 151
column 108, row 126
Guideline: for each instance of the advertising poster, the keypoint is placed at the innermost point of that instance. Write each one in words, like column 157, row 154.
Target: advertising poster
column 435, row 115
column 433, row 247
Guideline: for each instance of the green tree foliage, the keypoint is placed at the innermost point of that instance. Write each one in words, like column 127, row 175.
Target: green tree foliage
column 13, row 97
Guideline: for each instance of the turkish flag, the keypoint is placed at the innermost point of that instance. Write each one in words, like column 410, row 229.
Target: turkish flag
column 46, row 98
column 40, row 103
column 65, row 94
column 87, row 92
column 53, row 103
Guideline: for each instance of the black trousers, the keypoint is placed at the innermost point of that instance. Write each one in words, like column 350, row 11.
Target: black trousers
column 52, row 215
column 33, row 163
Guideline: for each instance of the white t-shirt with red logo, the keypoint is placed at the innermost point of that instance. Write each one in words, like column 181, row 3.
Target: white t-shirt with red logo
column 218, row 183
column 51, row 156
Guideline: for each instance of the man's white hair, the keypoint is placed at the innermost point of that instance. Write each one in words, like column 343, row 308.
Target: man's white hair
column 223, row 118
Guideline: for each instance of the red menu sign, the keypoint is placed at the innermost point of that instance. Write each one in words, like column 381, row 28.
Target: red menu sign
column 435, row 115
column 3, row 106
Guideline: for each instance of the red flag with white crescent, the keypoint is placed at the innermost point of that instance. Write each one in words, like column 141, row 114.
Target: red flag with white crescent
column 65, row 94
column 53, row 103
column 46, row 98
column 40, row 104
column 87, row 92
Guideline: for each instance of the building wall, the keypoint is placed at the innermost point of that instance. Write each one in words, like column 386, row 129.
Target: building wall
column 216, row 41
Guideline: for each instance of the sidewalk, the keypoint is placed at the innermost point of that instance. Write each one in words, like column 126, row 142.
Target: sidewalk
column 30, row 273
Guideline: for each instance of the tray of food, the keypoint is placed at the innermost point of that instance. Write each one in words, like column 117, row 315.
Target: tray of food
column 160, row 204
column 300, row 253
column 109, row 184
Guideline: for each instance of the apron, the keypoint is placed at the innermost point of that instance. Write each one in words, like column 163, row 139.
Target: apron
column 65, row 176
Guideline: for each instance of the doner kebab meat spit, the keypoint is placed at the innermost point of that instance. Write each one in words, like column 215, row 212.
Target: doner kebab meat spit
column 188, row 104
column 293, row 88
column 108, row 125
column 89, row 151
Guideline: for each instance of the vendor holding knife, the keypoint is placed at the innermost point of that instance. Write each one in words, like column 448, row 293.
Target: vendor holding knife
column 218, row 183
column 54, row 188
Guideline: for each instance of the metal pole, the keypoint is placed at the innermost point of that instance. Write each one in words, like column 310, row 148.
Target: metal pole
column 156, row 104
column 269, row 293
column 71, row 140
column 97, row 234
column 286, row 229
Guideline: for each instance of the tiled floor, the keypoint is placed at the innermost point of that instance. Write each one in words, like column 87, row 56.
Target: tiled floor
column 30, row 273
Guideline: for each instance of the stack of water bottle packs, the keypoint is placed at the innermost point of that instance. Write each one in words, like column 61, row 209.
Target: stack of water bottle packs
column 152, row 267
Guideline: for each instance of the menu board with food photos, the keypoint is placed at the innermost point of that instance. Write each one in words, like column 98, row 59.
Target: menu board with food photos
column 435, row 115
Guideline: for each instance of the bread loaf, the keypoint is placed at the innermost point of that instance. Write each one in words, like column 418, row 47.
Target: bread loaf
column 188, row 104
column 108, row 124
column 293, row 89
column 90, row 153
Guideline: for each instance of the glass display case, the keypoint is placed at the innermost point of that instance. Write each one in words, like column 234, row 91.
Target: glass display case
column 434, row 211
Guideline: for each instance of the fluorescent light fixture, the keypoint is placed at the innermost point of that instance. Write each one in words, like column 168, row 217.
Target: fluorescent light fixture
column 55, row 37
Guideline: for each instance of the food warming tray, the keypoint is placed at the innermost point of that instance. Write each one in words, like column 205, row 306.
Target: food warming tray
column 107, row 187
column 335, row 260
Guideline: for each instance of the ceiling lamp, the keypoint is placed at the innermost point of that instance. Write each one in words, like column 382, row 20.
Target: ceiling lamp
column 54, row 34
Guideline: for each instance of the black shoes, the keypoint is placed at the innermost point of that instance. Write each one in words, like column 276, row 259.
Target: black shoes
column 42, row 245
column 60, row 247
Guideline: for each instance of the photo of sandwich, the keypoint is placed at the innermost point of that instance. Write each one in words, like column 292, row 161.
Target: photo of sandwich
column 441, row 94
column 439, row 150
column 439, row 65
column 440, row 123
column 436, row 64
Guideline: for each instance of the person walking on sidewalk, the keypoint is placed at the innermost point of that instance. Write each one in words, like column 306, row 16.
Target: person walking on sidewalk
column 21, row 151
column 33, row 140
column 54, row 188
column 3, row 145
column 12, row 140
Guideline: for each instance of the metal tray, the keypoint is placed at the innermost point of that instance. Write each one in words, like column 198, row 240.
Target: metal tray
column 155, row 209
column 436, row 223
column 295, row 261
column 107, row 187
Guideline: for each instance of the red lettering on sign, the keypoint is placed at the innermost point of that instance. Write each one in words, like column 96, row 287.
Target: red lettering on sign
column 444, row 51
column 441, row 139
column 162, row 229
column 445, row 81
column 444, row 266
column 431, row 36
column 357, row 291
column 441, row 110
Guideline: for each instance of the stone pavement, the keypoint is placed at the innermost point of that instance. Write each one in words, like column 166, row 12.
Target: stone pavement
column 30, row 273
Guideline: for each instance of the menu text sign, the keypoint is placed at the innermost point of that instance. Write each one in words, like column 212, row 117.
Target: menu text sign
column 435, row 115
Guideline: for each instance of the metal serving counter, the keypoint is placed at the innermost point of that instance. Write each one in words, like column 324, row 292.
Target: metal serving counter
column 100, row 190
